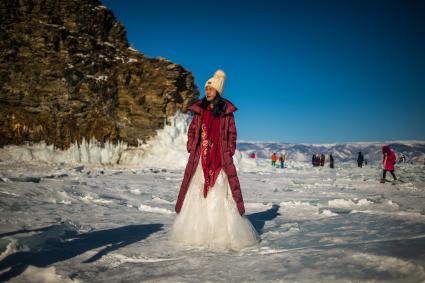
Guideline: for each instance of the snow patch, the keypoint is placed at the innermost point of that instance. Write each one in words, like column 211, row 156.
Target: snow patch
column 89, row 198
column 147, row 208
column 102, row 78
column 11, row 247
column 160, row 200
column 115, row 260
column 135, row 191
column 42, row 275
column 9, row 193
column 298, row 210
column 389, row 264
column 364, row 204
column 256, row 206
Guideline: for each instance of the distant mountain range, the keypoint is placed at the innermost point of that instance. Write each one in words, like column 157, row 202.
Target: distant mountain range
column 413, row 150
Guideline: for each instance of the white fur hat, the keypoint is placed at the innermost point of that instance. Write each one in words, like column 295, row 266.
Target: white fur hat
column 217, row 81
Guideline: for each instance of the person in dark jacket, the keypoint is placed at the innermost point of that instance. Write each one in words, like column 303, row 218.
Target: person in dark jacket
column 322, row 160
column 331, row 161
column 402, row 158
column 360, row 160
column 316, row 160
column 282, row 160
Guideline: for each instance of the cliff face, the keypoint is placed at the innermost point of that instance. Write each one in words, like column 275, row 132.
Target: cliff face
column 67, row 72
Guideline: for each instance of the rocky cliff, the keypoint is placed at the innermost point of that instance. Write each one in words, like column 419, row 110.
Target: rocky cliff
column 67, row 72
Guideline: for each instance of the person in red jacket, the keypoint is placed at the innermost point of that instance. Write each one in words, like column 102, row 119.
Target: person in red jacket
column 210, row 208
column 388, row 162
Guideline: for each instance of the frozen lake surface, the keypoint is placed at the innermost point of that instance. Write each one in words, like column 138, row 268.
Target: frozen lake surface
column 68, row 223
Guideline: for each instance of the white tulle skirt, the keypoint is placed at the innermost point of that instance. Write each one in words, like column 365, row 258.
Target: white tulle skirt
column 213, row 221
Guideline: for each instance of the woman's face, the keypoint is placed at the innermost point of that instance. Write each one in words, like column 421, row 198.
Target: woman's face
column 210, row 93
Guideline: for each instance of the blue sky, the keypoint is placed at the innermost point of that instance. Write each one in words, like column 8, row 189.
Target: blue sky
column 299, row 71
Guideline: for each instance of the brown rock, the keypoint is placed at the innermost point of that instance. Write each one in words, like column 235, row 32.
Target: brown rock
column 67, row 72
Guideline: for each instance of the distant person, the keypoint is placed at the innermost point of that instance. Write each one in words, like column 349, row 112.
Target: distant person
column 252, row 155
column 322, row 160
column 282, row 160
column 360, row 160
column 388, row 162
column 313, row 160
column 331, row 161
column 274, row 158
column 317, row 160
column 402, row 158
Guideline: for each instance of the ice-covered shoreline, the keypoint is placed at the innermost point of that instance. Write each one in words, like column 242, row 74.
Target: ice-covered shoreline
column 168, row 150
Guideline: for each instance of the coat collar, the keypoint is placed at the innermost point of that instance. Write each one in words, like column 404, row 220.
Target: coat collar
column 196, row 107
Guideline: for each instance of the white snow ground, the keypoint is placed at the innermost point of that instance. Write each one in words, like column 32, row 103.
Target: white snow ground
column 63, row 222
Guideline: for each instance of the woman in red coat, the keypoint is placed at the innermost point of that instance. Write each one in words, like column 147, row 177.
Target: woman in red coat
column 388, row 162
column 210, row 208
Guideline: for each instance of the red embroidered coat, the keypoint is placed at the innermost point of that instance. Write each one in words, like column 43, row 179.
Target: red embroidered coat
column 228, row 146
